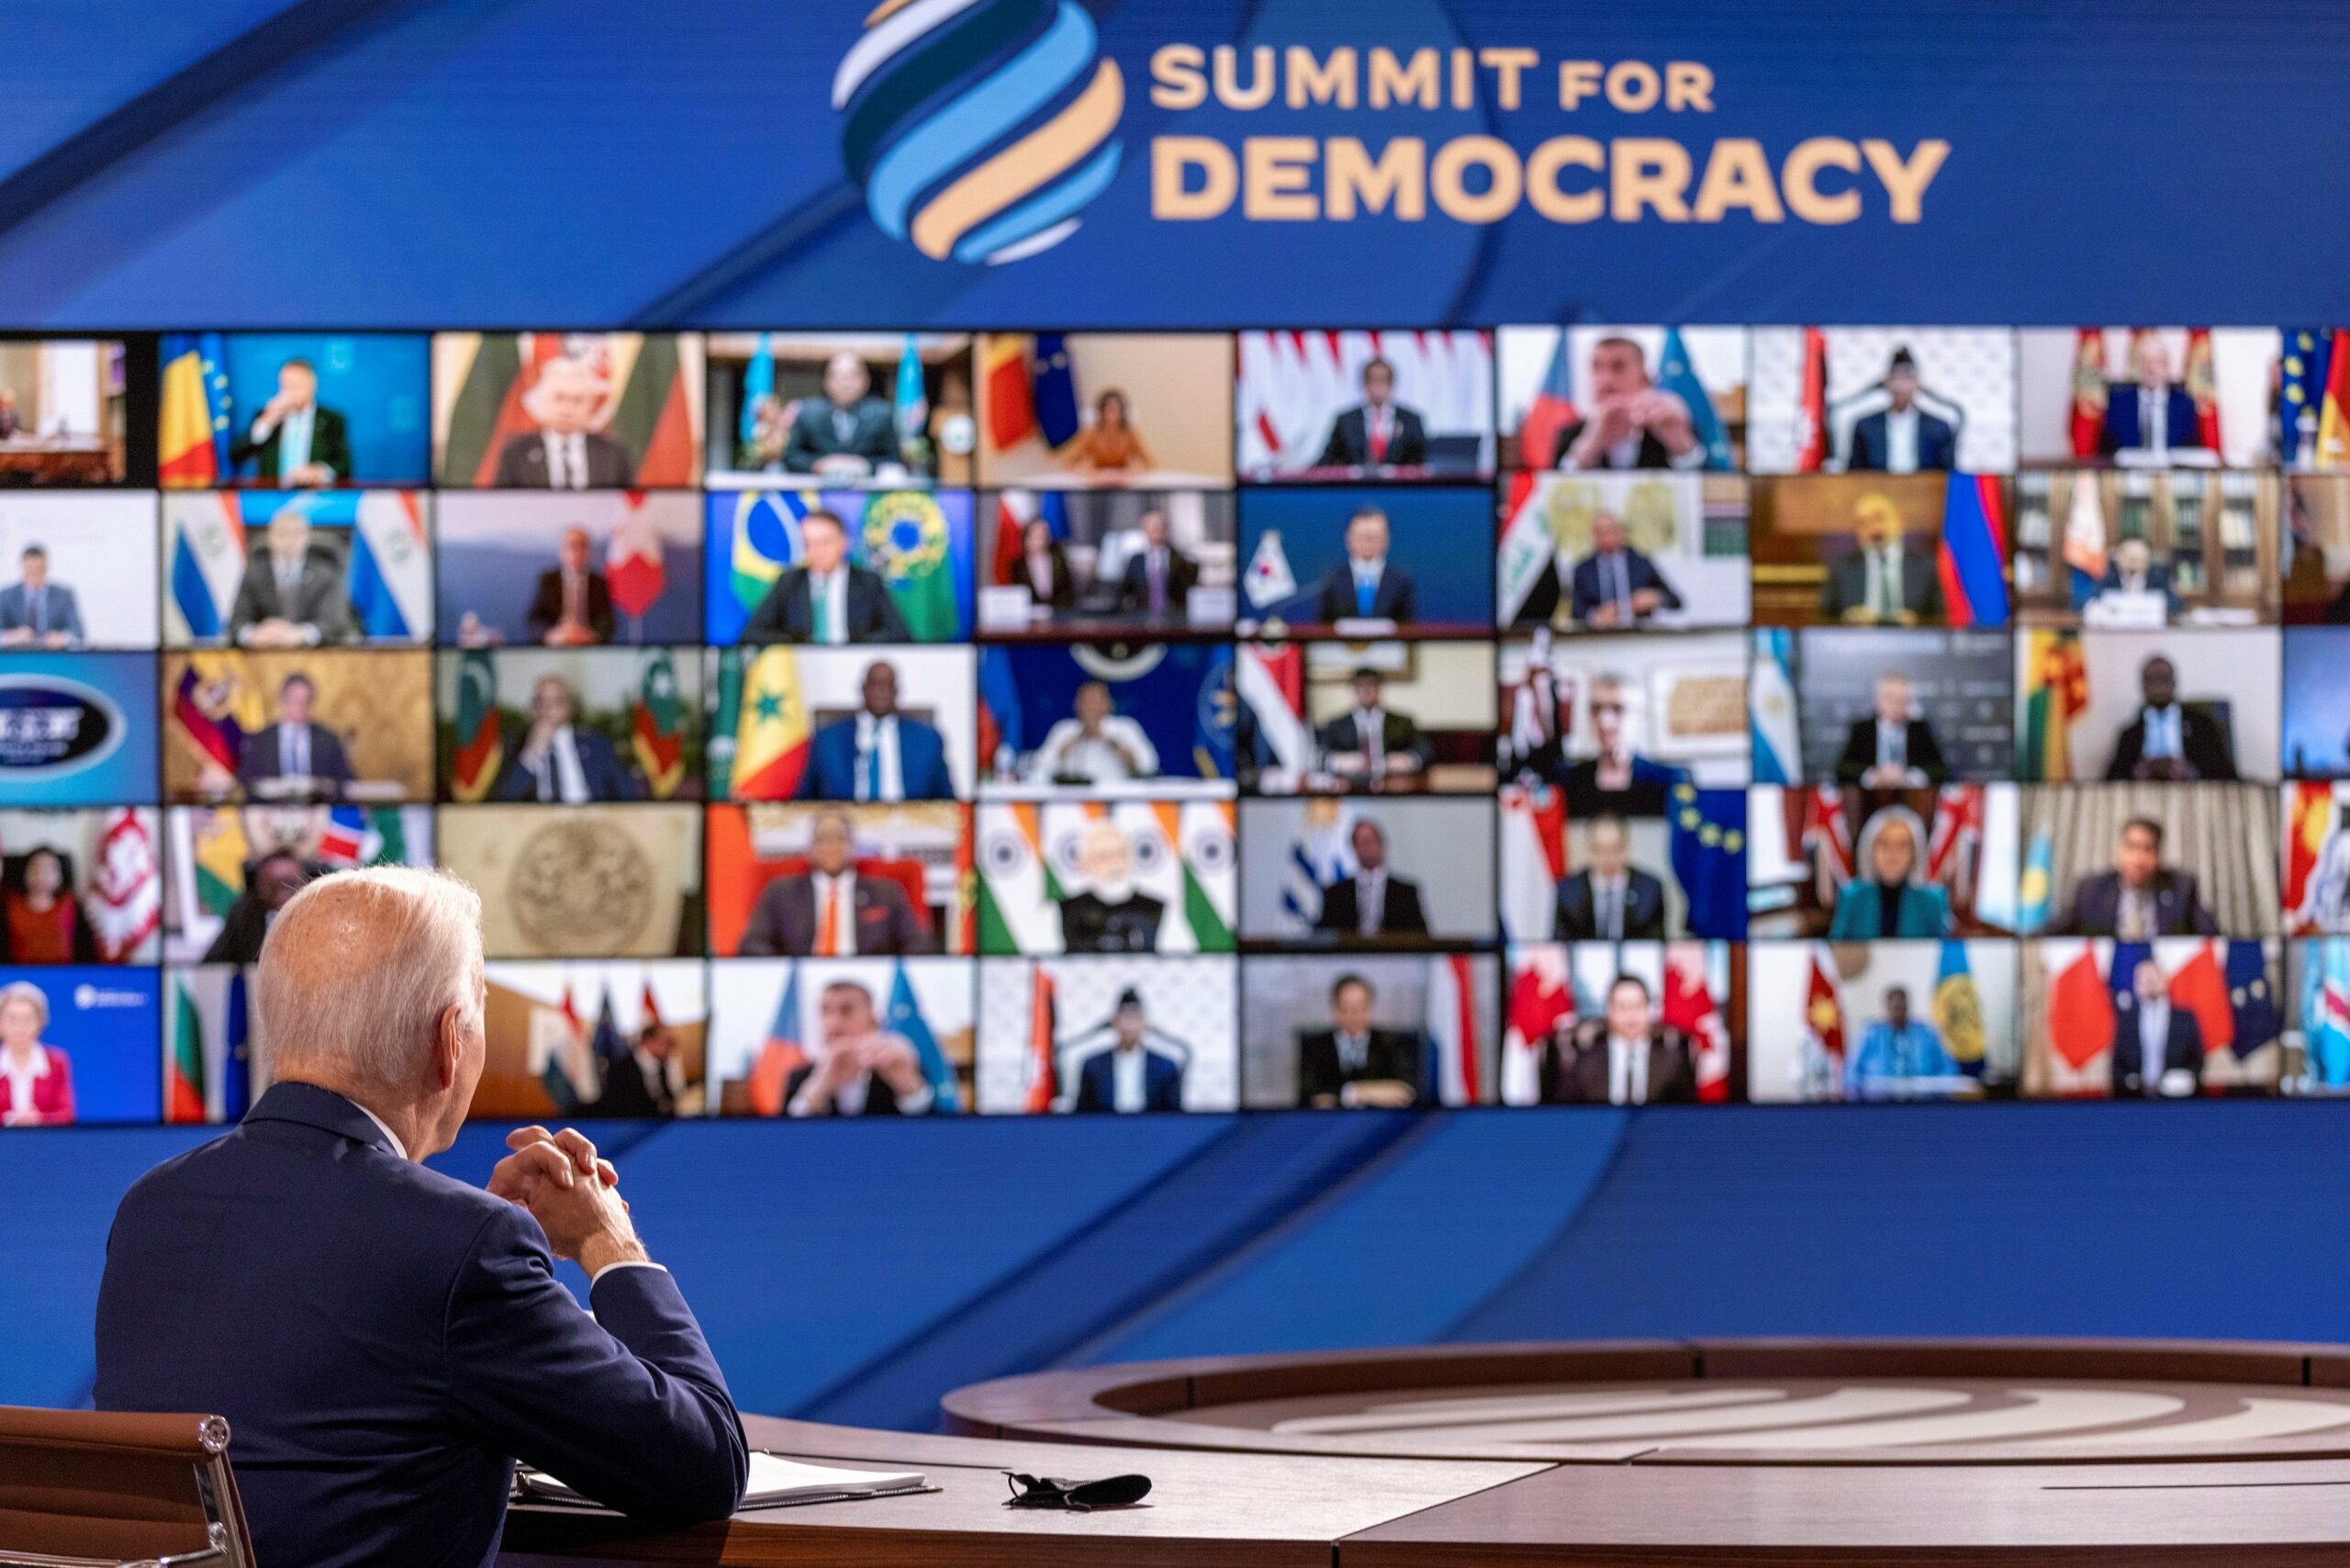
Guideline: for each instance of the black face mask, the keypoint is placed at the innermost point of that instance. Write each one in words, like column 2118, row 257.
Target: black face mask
column 1076, row 1497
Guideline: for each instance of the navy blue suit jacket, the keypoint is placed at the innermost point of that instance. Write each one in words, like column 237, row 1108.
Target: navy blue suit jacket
column 2125, row 424
column 1937, row 444
column 600, row 766
column 1590, row 593
column 1392, row 600
column 385, row 1341
column 1162, row 1083
column 831, row 762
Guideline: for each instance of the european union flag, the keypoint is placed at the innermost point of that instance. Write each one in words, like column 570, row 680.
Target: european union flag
column 1675, row 374
column 1708, row 830
column 2259, row 1021
column 1053, row 390
column 2301, row 392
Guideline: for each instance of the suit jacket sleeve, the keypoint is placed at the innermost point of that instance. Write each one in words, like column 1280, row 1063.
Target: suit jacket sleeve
column 1335, row 451
column 513, row 462
column 627, row 1405
column 546, row 605
column 1925, row 752
column 1407, row 600
column 330, row 442
column 333, row 617
column 938, row 782
column 766, row 622
column 2127, row 749
column 1860, row 752
column 891, row 621
column 762, row 932
column 800, row 450
column 1405, row 914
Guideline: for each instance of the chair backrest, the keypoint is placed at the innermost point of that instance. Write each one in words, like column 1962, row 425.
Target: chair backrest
column 101, row 1488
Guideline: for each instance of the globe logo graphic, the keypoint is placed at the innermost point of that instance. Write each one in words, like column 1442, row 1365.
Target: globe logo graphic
column 978, row 129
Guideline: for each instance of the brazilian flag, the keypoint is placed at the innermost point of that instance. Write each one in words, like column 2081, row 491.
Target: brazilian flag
column 905, row 536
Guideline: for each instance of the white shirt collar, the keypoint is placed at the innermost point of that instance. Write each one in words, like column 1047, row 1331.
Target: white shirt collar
column 385, row 1128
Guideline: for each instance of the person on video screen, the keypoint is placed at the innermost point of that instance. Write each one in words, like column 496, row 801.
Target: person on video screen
column 294, row 758
column 2157, row 1044
column 1097, row 746
column 1354, row 1062
column 877, row 753
column 276, row 876
column 860, row 1069
column 1631, row 421
column 296, row 441
column 1377, row 433
column 1371, row 743
column 1373, row 904
column 559, row 762
column 2141, row 898
column 2168, row 741
column 1901, row 437
column 1617, row 586
column 2135, row 570
column 1892, row 748
column 826, row 598
column 1130, row 1076
column 1617, row 779
column 846, row 433
column 1889, row 897
column 1112, row 916
column 36, row 612
column 1157, row 578
column 1610, row 899
column 830, row 912
column 572, row 606
column 291, row 596
column 1366, row 586
column 2150, row 413
column 1882, row 581
column 1897, row 1053
column 1626, row 1057
column 566, row 451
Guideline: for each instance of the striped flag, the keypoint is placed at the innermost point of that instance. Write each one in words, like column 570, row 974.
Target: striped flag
column 1811, row 407
column 657, row 725
column 184, row 1093
column 1019, row 896
column 1973, row 557
column 1003, row 384
column 2333, row 414
column 2057, row 692
column 1553, row 411
column 491, row 380
column 1453, row 1030
column 2089, row 391
column 1777, row 740
column 1322, row 856
column 208, row 536
column 390, row 576
column 905, row 1017
column 481, row 745
column 782, row 1053
column 771, row 738
column 192, row 426
column 1204, row 836
column 1270, row 683
column 653, row 412
column 1043, row 1075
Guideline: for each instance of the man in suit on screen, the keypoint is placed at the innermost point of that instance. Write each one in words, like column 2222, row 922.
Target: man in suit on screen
column 1366, row 586
column 1631, row 422
column 1157, row 578
column 847, row 433
column 1611, row 900
column 296, row 441
column 2150, row 413
column 1129, row 1075
column 826, row 599
column 860, row 1069
column 566, row 452
column 2135, row 570
column 294, row 758
column 1623, row 1058
column 558, row 762
column 290, row 597
column 1355, row 1062
column 1892, row 748
column 36, row 612
column 1111, row 914
column 876, row 753
column 384, row 1341
column 572, row 606
column 1377, row 433
column 2168, row 741
column 1616, row 585
column 830, row 912
column 1901, row 437
column 2141, row 898
column 1882, row 581
column 1373, row 904
column 1371, row 745
column 2157, row 1044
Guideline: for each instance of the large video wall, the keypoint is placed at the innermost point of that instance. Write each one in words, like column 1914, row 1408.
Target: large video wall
column 927, row 723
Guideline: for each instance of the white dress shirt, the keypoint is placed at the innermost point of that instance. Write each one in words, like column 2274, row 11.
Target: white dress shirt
column 1371, row 896
column 828, row 606
column 839, row 894
column 1884, row 580
column 879, row 734
column 22, row 1076
column 1354, row 1051
column 566, row 460
column 1129, row 1079
column 1068, row 751
column 557, row 770
column 1901, row 440
column 294, row 751
column 2154, row 1038
column 1608, row 895
column 2165, row 735
column 1628, row 1071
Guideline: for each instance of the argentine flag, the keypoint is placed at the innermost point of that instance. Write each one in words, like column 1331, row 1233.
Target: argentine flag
column 1779, row 742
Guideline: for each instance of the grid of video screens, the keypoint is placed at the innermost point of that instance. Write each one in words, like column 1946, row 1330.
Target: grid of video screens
column 928, row 724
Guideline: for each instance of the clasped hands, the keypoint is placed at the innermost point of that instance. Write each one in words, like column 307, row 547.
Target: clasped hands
column 574, row 1195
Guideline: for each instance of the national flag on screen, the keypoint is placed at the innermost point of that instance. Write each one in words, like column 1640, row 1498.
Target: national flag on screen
column 344, row 836
column 2259, row 1020
column 208, row 1065
column 1533, row 860
column 125, row 901
column 1018, row 896
column 2084, row 546
column 1003, row 728
column 1529, row 553
column 2036, row 887
column 208, row 561
column 193, row 418
column 496, row 370
column 771, row 744
column 183, row 1095
column 1204, row 836
column 1053, row 391
column 2080, row 1007
column 1811, row 407
column 1957, row 829
column 2334, row 413
column 1958, row 1010
column 207, row 716
column 1973, row 557
column 1675, row 374
column 1827, row 837
column 2088, row 392
column 1270, row 683
column 2300, row 392
column 1689, row 1006
column 763, row 538
column 1014, row 510
column 217, row 845
column 635, row 562
column 2201, row 380
column 1322, row 856
column 1269, row 582
column 1043, row 1075
column 1004, row 385
column 758, row 384
column 2326, row 1015
column 905, row 1017
column 2199, row 986
column 481, row 744
column 1777, row 740
column 1453, row 1030
column 1541, row 1003
column 609, row 1046
column 556, row 1037
column 653, row 412
column 781, row 1053
column 2057, row 692
column 911, row 404
column 1708, row 852
column 2313, row 817
column 658, row 721
column 1823, row 1025
column 1551, row 412
column 1215, row 715
column 389, row 579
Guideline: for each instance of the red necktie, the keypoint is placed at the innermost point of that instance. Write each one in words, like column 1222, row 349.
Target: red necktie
column 1378, row 436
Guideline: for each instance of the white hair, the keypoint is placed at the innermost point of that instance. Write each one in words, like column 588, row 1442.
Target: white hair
column 566, row 367
column 358, row 969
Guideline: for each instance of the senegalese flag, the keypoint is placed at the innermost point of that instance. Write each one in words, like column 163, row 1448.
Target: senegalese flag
column 488, row 406
column 481, row 745
column 652, row 415
column 904, row 536
column 192, row 426
column 2056, row 691
column 771, row 738
column 183, row 1097
column 657, row 720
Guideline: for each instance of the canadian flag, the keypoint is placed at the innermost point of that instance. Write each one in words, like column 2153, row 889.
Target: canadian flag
column 1689, row 1007
column 1540, row 1003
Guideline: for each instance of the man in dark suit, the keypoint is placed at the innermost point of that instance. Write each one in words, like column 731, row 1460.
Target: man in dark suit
column 294, row 441
column 1372, row 905
column 1365, row 585
column 1883, row 581
column 2133, row 569
column 1370, row 745
column 36, row 612
column 383, row 1340
column 1901, row 437
column 2154, row 1040
column 638, row 1086
column 1630, row 423
column 876, row 753
column 2150, row 413
column 558, row 762
column 290, row 597
column 1156, row 580
column 294, row 759
column 1377, row 433
column 2141, row 898
column 1611, row 900
column 825, row 599
column 1616, row 585
column 1626, row 1058
column 828, row 911
column 847, row 433
column 861, row 1069
column 1129, row 1076
column 564, row 452
column 1354, row 1062
column 1892, row 748
column 2168, row 741
column 1112, row 916
column 572, row 606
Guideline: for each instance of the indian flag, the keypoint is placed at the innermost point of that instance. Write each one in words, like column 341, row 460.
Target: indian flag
column 1153, row 830
column 1205, row 834
column 1019, row 897
column 771, row 738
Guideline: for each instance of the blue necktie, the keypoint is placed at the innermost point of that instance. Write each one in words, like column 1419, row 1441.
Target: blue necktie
column 1365, row 593
column 873, row 769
